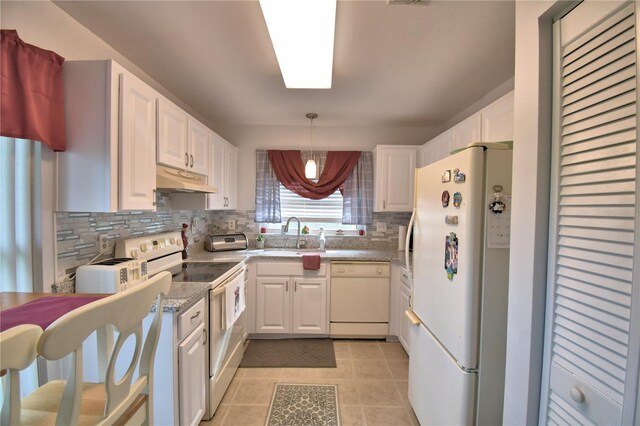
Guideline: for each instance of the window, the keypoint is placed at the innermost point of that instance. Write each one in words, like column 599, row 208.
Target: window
column 316, row 214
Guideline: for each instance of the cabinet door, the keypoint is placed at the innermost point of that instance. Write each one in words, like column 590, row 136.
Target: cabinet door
column 443, row 145
column 172, row 135
column 403, row 332
column 394, row 192
column 137, row 144
column 497, row 120
column 216, row 172
column 427, row 154
column 192, row 377
column 466, row 132
column 272, row 305
column 231, row 176
column 309, row 306
column 198, row 148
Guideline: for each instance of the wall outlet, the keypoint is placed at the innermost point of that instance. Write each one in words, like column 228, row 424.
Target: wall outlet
column 103, row 242
column 231, row 224
column 381, row 226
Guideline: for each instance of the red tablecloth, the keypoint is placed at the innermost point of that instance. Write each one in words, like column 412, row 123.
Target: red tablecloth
column 43, row 311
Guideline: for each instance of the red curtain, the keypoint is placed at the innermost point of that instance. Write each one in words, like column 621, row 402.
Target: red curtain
column 31, row 101
column 288, row 168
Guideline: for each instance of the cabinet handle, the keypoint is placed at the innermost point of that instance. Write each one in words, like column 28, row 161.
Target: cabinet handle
column 577, row 394
column 191, row 156
column 155, row 194
column 196, row 315
column 287, row 286
column 204, row 331
column 295, row 286
column 186, row 159
column 384, row 204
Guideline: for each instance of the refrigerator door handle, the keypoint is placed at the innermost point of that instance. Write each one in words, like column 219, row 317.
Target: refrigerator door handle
column 412, row 317
column 407, row 238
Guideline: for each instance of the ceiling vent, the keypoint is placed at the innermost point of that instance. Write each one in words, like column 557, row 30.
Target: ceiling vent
column 403, row 2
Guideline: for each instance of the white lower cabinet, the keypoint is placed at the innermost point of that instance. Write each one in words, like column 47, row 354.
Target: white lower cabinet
column 273, row 300
column 180, row 368
column 289, row 300
column 404, row 325
column 192, row 376
column 309, row 305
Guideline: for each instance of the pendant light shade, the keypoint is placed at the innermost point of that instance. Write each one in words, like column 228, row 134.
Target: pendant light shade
column 310, row 169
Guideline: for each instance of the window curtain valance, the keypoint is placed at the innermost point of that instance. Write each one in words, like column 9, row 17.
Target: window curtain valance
column 289, row 169
column 357, row 193
column 31, row 101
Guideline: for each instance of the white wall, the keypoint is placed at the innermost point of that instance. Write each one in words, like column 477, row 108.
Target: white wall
column 529, row 220
column 250, row 138
column 45, row 25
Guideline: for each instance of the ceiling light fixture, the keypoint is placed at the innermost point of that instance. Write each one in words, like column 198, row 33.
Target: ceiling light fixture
column 302, row 33
column 310, row 168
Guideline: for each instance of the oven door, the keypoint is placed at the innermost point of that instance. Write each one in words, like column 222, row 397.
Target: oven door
column 223, row 339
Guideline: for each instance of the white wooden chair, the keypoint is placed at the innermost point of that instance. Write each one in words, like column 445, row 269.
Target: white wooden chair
column 121, row 401
column 18, row 349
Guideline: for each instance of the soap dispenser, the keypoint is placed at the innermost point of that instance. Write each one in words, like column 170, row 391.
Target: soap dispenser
column 321, row 239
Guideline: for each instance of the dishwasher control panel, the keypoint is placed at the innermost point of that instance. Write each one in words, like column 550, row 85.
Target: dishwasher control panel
column 361, row 269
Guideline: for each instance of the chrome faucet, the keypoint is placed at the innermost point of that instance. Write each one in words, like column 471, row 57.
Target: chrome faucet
column 286, row 229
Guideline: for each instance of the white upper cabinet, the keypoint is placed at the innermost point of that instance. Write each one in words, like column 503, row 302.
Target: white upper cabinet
column 198, row 147
column 394, row 173
column 497, row 120
column 231, row 176
column 466, row 132
column 223, row 161
column 492, row 124
column 110, row 119
column 172, row 135
column 443, row 145
column 137, row 144
column 183, row 142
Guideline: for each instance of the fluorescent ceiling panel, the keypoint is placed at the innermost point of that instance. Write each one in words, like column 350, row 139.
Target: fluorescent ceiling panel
column 302, row 33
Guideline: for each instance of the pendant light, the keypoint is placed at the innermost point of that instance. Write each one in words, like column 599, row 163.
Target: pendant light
column 310, row 168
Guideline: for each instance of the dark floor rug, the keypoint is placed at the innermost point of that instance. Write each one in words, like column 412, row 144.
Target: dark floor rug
column 294, row 353
column 315, row 405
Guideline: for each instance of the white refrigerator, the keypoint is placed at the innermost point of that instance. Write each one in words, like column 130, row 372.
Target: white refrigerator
column 460, row 284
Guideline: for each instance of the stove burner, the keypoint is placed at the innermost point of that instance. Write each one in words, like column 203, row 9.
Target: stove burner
column 200, row 271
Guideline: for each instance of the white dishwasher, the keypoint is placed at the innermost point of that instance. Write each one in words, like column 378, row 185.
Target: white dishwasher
column 360, row 299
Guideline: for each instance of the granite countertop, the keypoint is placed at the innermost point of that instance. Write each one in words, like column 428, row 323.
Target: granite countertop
column 182, row 295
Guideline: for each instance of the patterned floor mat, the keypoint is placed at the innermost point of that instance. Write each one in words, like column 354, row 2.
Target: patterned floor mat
column 304, row 405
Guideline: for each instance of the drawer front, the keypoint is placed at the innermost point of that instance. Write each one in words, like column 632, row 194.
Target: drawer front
column 190, row 319
column 288, row 269
column 405, row 279
column 361, row 269
column 583, row 398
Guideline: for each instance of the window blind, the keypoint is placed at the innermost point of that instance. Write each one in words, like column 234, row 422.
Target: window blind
column 327, row 210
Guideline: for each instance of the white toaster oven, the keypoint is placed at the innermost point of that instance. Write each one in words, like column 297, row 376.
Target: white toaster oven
column 111, row 276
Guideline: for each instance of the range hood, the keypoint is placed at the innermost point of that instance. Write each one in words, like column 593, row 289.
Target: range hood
column 174, row 180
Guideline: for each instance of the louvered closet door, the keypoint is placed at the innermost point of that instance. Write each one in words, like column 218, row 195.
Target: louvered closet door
column 591, row 353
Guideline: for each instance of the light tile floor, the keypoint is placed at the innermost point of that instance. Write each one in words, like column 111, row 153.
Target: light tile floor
column 372, row 387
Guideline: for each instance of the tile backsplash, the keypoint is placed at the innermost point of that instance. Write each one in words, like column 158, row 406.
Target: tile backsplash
column 78, row 233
